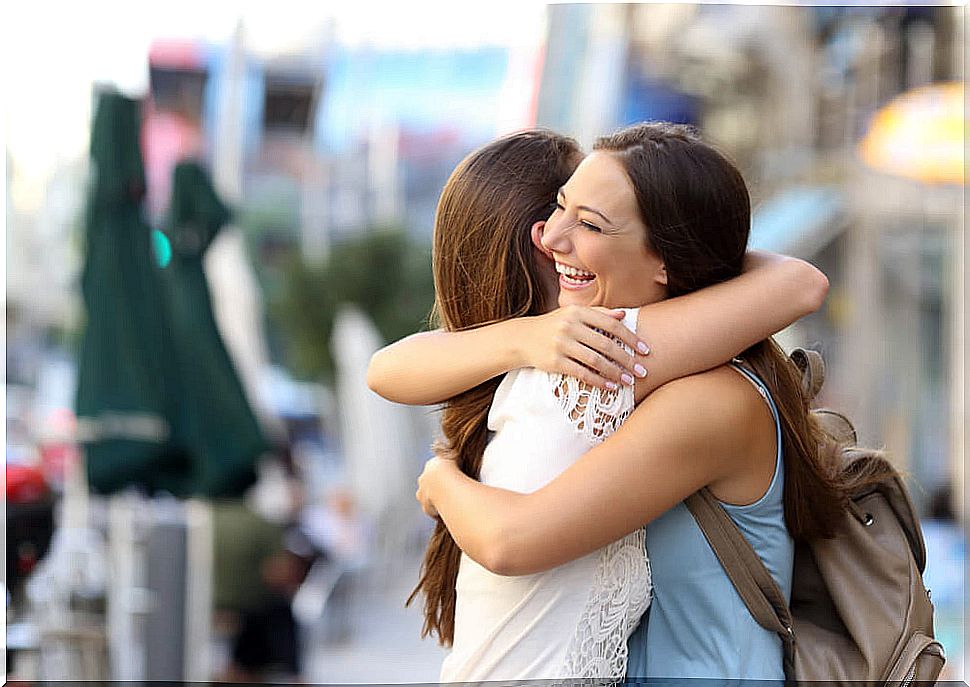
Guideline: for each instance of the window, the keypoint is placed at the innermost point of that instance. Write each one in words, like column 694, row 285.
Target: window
column 289, row 104
column 178, row 90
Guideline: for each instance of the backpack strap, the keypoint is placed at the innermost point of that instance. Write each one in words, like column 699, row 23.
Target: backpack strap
column 754, row 584
column 810, row 364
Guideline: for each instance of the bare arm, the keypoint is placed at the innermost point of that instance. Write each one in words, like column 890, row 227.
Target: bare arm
column 431, row 367
column 708, row 327
column 687, row 335
column 709, row 425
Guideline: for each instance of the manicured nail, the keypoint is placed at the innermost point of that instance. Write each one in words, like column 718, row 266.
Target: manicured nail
column 611, row 386
column 627, row 379
column 643, row 348
column 640, row 370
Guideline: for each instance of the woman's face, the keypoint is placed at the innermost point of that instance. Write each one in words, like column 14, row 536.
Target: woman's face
column 598, row 240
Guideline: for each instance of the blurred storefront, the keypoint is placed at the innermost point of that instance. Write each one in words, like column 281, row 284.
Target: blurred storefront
column 909, row 198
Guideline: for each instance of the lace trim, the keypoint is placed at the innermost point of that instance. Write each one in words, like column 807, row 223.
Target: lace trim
column 621, row 589
column 618, row 598
column 594, row 412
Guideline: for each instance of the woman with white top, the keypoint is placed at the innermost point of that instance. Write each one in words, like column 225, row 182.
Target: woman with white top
column 490, row 265
column 572, row 620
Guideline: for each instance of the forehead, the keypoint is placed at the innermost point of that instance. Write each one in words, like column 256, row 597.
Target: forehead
column 601, row 182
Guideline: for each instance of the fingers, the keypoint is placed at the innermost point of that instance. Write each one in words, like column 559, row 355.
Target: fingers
column 587, row 376
column 612, row 360
column 426, row 504
column 606, row 319
column 582, row 346
column 597, row 363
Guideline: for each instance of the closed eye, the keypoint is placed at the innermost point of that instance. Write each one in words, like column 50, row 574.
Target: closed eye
column 591, row 226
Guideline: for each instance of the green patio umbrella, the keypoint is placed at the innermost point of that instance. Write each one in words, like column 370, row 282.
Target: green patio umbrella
column 123, row 396
column 159, row 403
column 213, row 420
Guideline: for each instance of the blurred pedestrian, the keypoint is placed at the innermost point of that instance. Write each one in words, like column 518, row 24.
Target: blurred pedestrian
column 258, row 570
column 344, row 539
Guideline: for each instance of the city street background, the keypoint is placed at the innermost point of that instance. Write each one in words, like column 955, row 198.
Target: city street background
column 215, row 213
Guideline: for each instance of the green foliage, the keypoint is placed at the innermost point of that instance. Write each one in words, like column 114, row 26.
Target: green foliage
column 384, row 273
column 271, row 206
column 276, row 216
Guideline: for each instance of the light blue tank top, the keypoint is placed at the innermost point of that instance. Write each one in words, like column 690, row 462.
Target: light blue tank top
column 697, row 626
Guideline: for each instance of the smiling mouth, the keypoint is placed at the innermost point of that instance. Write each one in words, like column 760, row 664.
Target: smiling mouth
column 573, row 277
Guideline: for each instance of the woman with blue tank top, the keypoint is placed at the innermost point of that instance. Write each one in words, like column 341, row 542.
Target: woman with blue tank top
column 741, row 430
column 731, row 644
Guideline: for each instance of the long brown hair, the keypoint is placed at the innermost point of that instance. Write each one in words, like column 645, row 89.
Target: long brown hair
column 697, row 211
column 484, row 271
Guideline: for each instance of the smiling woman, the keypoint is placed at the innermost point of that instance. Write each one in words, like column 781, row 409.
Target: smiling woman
column 596, row 238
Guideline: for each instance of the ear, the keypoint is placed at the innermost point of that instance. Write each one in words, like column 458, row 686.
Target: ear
column 661, row 276
column 536, row 233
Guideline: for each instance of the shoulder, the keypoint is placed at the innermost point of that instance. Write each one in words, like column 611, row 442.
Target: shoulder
column 711, row 424
column 717, row 403
column 504, row 391
column 717, row 387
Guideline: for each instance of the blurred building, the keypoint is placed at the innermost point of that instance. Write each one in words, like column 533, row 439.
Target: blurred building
column 330, row 140
column 42, row 268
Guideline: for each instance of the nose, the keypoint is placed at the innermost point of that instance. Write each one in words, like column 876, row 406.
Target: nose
column 555, row 237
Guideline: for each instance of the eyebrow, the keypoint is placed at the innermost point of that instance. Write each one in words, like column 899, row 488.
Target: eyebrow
column 585, row 207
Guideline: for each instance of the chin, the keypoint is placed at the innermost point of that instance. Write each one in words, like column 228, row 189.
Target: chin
column 573, row 298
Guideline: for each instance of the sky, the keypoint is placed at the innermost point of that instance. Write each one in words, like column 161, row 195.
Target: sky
column 54, row 51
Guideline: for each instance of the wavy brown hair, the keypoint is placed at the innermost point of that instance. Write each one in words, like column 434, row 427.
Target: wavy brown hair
column 697, row 211
column 484, row 272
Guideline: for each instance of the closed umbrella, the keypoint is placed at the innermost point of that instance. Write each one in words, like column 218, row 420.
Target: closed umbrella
column 159, row 403
column 123, row 395
column 213, row 420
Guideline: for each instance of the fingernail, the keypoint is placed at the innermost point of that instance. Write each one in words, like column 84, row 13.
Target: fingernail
column 643, row 348
column 640, row 370
column 611, row 386
column 627, row 379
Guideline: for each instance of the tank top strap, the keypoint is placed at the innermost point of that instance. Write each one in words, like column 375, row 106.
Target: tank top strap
column 762, row 388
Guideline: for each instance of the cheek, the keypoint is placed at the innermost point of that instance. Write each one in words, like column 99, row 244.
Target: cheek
column 638, row 272
column 599, row 256
column 635, row 280
column 618, row 263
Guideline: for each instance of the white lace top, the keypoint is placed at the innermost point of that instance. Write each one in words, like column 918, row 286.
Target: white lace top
column 572, row 621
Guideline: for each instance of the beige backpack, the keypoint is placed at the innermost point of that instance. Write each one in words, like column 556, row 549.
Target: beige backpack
column 859, row 610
